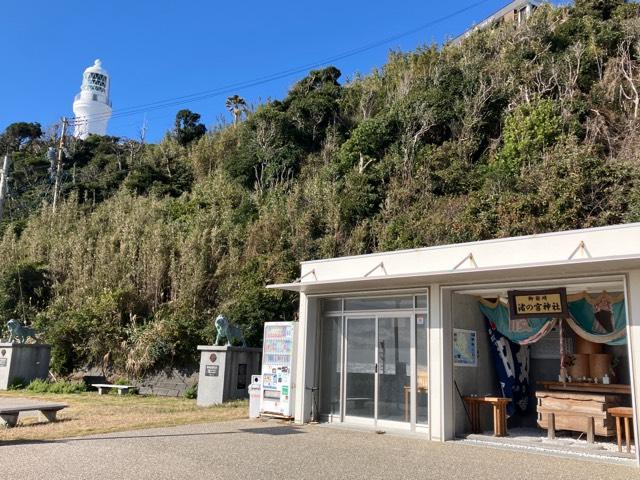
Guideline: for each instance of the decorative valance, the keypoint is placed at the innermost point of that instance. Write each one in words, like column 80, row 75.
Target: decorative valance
column 598, row 318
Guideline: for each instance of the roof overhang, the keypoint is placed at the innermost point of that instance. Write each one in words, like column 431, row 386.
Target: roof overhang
column 532, row 271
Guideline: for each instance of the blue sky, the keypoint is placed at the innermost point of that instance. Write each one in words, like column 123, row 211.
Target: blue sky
column 162, row 49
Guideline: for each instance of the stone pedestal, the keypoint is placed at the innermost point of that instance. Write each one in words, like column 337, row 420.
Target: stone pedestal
column 24, row 362
column 225, row 373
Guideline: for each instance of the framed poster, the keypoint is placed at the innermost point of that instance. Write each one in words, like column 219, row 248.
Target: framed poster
column 465, row 348
column 551, row 302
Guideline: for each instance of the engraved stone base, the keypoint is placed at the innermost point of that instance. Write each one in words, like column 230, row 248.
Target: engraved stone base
column 225, row 373
column 23, row 362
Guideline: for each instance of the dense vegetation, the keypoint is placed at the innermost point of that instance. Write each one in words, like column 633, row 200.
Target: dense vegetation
column 515, row 130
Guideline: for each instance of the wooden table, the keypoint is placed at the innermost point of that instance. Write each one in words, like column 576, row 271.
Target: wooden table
column 627, row 414
column 612, row 388
column 499, row 405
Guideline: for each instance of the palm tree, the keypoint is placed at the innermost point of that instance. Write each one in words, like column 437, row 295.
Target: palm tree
column 236, row 105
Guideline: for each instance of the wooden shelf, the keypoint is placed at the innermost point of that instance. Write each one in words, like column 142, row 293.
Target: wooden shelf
column 613, row 388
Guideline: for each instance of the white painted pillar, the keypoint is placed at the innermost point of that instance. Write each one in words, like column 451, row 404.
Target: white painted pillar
column 305, row 357
column 633, row 337
column 301, row 344
column 440, row 365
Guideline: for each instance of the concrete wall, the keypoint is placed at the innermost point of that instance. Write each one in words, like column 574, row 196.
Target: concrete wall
column 480, row 380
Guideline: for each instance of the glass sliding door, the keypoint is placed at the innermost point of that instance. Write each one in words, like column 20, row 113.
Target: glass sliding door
column 360, row 367
column 394, row 368
column 374, row 362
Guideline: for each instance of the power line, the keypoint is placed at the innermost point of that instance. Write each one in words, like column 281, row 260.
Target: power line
column 226, row 89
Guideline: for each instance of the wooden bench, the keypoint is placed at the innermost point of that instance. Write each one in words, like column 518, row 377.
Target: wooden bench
column 499, row 405
column 9, row 413
column 550, row 414
column 577, row 412
column 627, row 414
column 105, row 387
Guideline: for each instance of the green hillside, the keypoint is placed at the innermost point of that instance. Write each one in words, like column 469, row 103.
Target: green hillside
column 515, row 130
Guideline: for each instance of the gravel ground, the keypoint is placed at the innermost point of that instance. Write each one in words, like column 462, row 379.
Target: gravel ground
column 272, row 450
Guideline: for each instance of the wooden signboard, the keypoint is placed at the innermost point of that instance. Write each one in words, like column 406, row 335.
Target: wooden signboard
column 551, row 302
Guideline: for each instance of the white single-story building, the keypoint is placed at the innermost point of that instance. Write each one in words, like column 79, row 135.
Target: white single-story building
column 376, row 342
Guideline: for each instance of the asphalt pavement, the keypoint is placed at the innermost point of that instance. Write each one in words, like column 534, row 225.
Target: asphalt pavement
column 271, row 450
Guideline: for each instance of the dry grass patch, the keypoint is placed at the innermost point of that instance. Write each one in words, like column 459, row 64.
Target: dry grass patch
column 90, row 413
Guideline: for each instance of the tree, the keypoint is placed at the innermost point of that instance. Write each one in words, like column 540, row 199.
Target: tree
column 20, row 133
column 237, row 106
column 313, row 104
column 597, row 8
column 366, row 144
column 188, row 127
column 316, row 80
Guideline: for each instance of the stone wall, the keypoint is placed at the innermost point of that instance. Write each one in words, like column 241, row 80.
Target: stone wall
column 168, row 383
column 165, row 383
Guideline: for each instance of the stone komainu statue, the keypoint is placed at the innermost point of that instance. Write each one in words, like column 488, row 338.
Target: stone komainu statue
column 229, row 332
column 20, row 333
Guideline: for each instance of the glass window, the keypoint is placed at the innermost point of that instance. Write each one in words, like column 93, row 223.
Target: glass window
column 331, row 363
column 332, row 305
column 97, row 82
column 381, row 303
column 522, row 15
column 421, row 301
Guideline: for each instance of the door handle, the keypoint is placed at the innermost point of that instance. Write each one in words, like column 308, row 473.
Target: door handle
column 376, row 368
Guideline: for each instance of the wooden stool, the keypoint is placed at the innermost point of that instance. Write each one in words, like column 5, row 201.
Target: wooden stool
column 499, row 405
column 627, row 414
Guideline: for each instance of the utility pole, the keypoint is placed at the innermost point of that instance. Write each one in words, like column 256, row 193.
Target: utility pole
column 56, row 188
column 4, row 179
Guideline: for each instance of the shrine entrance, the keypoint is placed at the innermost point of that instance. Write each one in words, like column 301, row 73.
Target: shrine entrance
column 562, row 380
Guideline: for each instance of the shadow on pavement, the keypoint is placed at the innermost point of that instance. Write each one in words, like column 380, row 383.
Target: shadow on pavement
column 273, row 430
column 280, row 430
column 114, row 437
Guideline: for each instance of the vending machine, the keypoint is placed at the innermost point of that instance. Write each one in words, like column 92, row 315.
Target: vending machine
column 278, row 369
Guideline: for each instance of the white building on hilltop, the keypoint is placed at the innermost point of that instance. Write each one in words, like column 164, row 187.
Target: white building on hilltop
column 92, row 106
column 515, row 12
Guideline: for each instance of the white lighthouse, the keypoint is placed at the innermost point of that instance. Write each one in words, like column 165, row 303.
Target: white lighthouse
column 92, row 106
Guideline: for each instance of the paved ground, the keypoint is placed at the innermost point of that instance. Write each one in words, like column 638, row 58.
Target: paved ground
column 270, row 450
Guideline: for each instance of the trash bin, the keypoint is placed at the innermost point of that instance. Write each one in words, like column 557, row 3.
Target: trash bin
column 254, row 396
